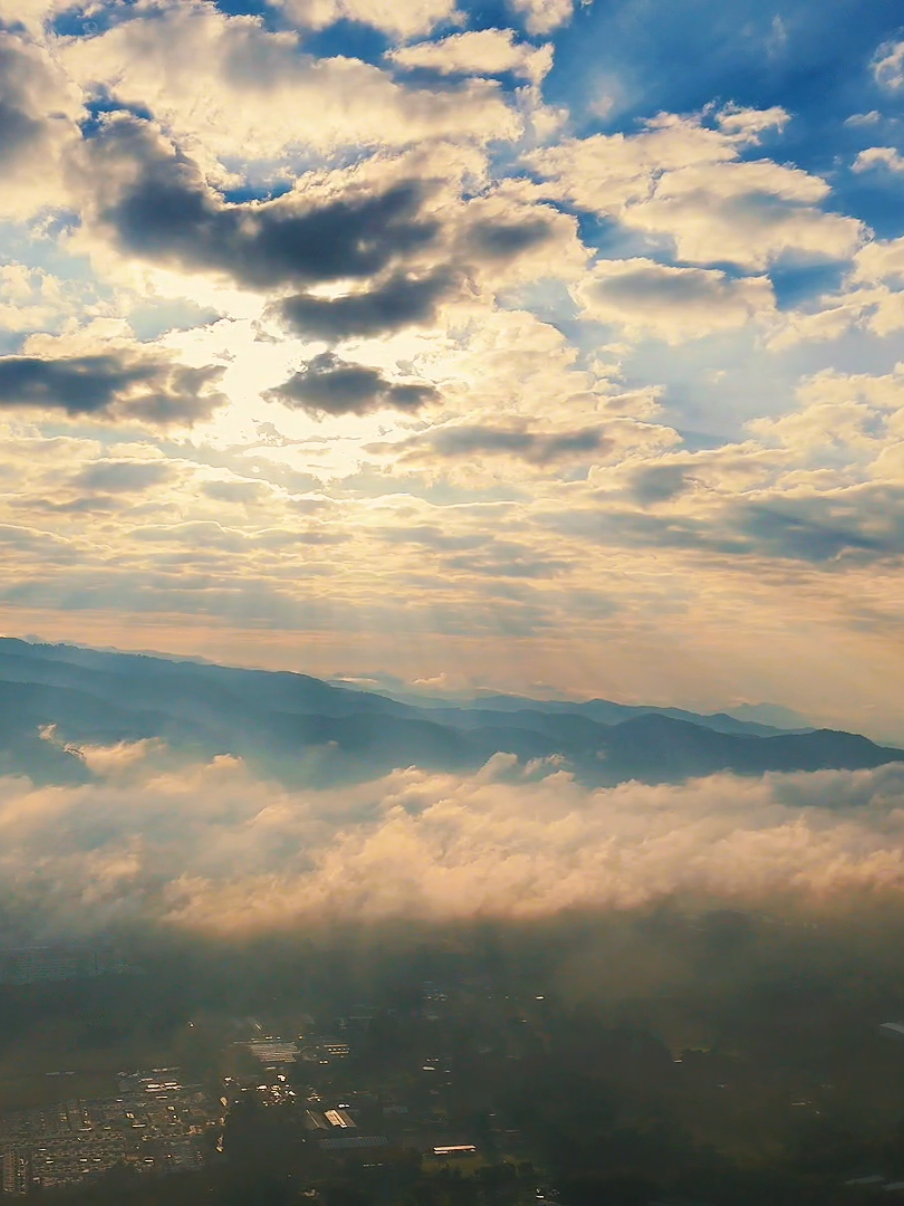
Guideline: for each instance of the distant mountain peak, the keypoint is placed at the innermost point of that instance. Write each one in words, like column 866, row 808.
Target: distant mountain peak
column 303, row 729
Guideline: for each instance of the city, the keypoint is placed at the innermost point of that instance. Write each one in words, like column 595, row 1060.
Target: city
column 473, row 1069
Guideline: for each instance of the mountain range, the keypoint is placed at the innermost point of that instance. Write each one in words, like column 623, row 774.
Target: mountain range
column 57, row 698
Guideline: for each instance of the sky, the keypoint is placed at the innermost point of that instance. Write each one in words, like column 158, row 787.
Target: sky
column 541, row 346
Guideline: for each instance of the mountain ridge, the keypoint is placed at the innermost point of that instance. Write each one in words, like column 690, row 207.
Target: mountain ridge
column 305, row 730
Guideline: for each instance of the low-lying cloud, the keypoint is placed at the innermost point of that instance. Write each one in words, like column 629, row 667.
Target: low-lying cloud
column 210, row 847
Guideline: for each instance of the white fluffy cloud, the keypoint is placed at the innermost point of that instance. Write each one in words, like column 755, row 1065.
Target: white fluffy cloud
column 683, row 181
column 230, row 88
column 748, row 213
column 859, row 414
column 31, row 13
column 478, row 52
column 209, row 846
column 871, row 298
column 874, row 157
column 880, row 260
column 399, row 18
column 888, row 65
column 543, row 16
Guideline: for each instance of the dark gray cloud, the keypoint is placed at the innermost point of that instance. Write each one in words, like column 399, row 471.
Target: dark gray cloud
column 658, row 483
column 648, row 282
column 861, row 524
column 126, row 477
column 631, row 529
column 166, row 211
column 429, row 536
column 865, row 523
column 46, row 547
column 477, row 552
column 505, row 240
column 328, row 385
column 154, row 202
column 78, row 384
column 537, row 447
column 18, row 130
column 398, row 302
column 87, row 504
column 508, row 565
column 120, row 384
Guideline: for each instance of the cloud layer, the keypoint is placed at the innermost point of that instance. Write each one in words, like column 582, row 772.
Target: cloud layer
column 210, row 848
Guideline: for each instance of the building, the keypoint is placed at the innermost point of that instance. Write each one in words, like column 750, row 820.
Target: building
column 274, row 1051
column 155, row 1124
column 63, row 961
column 13, row 1175
column 347, row 1143
column 340, row 1118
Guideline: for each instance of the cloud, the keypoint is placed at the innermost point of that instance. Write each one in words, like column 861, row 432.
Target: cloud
column 540, row 448
column 747, row 213
column 237, row 492
column 478, row 52
column 870, row 299
column 123, row 477
column 605, row 172
column 46, row 546
column 29, row 13
column 406, row 20
column 33, row 299
column 485, row 245
column 38, row 114
column 237, row 92
column 490, row 239
column 475, row 552
column 399, row 301
column 747, row 124
column 874, row 157
column 861, row 524
column 118, row 384
column 330, row 386
column 659, row 483
column 210, row 847
column 888, row 65
column 683, row 180
column 854, row 416
column 879, row 260
column 155, row 204
column 674, row 304
column 543, row 16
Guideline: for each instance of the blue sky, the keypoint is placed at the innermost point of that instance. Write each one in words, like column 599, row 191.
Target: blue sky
column 528, row 345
